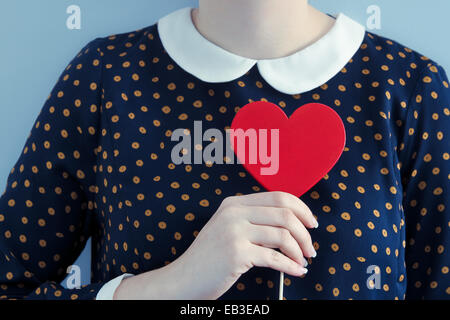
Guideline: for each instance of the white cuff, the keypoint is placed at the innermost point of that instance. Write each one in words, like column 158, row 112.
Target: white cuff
column 108, row 289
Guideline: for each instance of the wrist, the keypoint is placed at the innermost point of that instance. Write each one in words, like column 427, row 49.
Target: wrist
column 158, row 284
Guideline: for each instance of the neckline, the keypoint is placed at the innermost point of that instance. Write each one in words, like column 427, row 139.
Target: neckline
column 297, row 73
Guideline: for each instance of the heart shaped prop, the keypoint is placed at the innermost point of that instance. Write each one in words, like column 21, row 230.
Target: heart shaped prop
column 293, row 154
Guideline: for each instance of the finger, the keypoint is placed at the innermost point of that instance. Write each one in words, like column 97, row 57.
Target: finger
column 280, row 200
column 270, row 258
column 275, row 237
column 284, row 218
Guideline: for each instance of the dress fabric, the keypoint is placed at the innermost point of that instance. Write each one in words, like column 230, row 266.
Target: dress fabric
column 97, row 163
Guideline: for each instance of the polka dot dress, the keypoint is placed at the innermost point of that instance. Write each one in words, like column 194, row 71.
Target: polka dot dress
column 98, row 164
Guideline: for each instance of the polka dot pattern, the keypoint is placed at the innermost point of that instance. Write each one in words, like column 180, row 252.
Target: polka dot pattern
column 97, row 164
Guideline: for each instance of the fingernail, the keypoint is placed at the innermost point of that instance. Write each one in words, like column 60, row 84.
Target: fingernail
column 314, row 254
column 306, row 263
column 316, row 224
column 302, row 270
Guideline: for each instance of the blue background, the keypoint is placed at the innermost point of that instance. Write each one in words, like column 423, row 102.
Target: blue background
column 36, row 46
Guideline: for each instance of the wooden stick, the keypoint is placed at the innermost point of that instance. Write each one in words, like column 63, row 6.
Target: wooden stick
column 280, row 293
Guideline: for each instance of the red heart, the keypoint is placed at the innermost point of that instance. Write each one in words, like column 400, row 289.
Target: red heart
column 310, row 143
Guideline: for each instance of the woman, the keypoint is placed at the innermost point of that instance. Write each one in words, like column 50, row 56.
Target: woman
column 97, row 164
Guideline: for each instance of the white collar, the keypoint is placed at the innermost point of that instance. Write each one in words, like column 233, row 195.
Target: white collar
column 300, row 72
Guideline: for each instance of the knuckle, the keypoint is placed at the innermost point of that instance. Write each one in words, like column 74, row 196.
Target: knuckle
column 292, row 267
column 285, row 199
column 226, row 210
column 305, row 238
column 279, row 197
column 274, row 257
column 229, row 210
column 289, row 199
column 286, row 216
column 228, row 201
column 284, row 235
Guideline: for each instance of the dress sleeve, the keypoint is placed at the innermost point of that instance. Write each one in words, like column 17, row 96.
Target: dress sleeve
column 109, row 289
column 47, row 209
column 425, row 170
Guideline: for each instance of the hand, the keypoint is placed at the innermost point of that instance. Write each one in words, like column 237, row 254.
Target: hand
column 243, row 233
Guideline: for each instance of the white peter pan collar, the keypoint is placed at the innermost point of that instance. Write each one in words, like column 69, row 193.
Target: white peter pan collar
column 297, row 73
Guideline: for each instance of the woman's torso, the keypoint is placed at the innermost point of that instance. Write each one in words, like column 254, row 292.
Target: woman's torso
column 149, row 210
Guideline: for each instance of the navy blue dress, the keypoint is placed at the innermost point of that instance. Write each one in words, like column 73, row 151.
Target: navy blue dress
column 97, row 164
